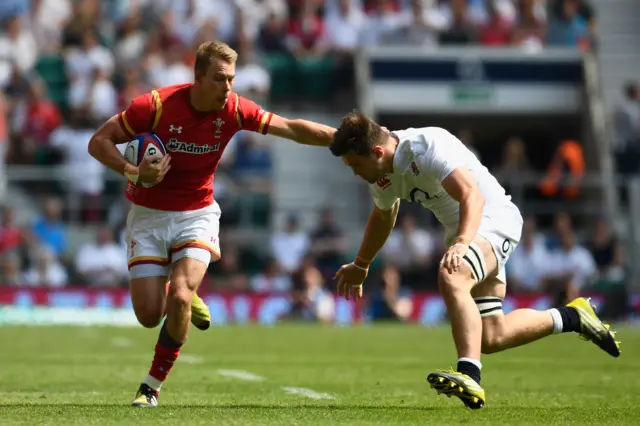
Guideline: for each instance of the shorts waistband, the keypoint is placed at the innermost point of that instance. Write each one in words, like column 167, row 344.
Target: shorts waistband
column 146, row 211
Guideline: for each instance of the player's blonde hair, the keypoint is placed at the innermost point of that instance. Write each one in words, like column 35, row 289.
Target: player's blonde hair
column 213, row 50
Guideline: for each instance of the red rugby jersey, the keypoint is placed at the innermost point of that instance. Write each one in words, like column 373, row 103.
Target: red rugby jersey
column 195, row 140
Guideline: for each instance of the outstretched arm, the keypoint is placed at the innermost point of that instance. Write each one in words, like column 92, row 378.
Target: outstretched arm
column 253, row 117
column 302, row 131
column 379, row 227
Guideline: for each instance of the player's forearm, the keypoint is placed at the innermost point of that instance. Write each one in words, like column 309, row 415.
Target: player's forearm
column 379, row 227
column 310, row 133
column 471, row 207
column 106, row 152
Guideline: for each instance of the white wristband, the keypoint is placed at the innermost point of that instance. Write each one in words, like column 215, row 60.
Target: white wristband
column 461, row 245
column 359, row 267
column 131, row 177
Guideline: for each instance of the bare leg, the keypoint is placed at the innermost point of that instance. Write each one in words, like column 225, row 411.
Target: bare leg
column 466, row 324
column 186, row 275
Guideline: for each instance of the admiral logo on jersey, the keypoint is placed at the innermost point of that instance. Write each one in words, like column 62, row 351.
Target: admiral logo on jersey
column 175, row 145
column 195, row 141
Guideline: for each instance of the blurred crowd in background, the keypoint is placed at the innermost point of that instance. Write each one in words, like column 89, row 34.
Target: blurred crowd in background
column 68, row 65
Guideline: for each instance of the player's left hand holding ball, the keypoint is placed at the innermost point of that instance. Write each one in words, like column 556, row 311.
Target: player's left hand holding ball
column 351, row 277
column 153, row 169
column 452, row 259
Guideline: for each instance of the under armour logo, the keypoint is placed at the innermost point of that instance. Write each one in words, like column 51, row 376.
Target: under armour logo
column 173, row 128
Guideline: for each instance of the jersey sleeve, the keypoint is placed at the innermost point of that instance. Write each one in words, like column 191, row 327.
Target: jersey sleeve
column 439, row 161
column 383, row 200
column 252, row 116
column 141, row 114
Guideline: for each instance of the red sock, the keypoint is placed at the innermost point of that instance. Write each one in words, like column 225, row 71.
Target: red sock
column 166, row 352
column 163, row 361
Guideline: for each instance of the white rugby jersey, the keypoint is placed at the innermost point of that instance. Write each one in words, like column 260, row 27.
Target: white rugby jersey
column 423, row 159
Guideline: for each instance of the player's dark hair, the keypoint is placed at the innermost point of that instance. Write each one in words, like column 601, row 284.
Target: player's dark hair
column 357, row 134
column 210, row 50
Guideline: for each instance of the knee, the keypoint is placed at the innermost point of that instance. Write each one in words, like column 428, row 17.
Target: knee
column 449, row 284
column 149, row 317
column 180, row 293
column 491, row 346
column 492, row 341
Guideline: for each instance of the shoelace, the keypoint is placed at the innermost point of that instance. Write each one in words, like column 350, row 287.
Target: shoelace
column 148, row 392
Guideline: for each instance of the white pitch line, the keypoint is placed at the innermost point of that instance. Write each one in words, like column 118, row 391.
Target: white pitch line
column 309, row 393
column 241, row 375
column 190, row 359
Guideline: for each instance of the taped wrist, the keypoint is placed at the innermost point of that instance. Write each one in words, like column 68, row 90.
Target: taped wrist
column 132, row 177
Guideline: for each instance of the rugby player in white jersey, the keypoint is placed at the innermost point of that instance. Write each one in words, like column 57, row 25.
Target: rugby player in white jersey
column 432, row 167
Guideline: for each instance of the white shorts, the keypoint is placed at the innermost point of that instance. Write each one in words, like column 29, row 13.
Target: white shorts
column 157, row 238
column 504, row 236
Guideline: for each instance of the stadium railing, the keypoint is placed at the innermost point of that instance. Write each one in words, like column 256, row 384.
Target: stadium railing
column 32, row 178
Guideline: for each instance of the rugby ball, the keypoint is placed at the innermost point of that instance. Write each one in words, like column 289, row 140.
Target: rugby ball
column 144, row 145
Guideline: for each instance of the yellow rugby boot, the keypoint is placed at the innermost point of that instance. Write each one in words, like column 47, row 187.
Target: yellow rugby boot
column 594, row 330
column 200, row 315
column 146, row 397
column 454, row 383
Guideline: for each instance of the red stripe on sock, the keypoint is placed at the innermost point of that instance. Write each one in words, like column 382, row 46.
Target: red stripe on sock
column 163, row 361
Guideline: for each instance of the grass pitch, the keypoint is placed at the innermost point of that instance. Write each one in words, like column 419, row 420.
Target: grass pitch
column 306, row 375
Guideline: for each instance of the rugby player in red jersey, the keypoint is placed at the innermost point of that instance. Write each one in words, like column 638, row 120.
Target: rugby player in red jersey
column 172, row 228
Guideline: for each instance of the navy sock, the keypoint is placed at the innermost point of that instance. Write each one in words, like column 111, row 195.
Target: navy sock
column 570, row 319
column 470, row 369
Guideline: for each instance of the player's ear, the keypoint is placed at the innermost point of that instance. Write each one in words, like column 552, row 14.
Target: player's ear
column 377, row 152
